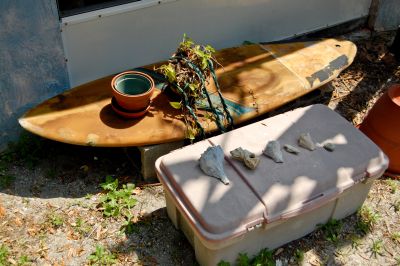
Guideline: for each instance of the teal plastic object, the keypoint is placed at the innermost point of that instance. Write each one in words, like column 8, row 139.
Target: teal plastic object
column 132, row 84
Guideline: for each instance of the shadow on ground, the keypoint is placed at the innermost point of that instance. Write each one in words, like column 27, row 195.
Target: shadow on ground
column 36, row 167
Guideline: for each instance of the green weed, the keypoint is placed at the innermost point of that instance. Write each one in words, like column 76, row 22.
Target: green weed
column 102, row 256
column 243, row 260
column 128, row 226
column 4, row 253
column 263, row 258
column 56, row 220
column 355, row 241
column 395, row 237
column 299, row 256
column 377, row 247
column 88, row 196
column 81, row 226
column 396, row 206
column 367, row 219
column 331, row 230
column 23, row 260
column 116, row 201
column 392, row 184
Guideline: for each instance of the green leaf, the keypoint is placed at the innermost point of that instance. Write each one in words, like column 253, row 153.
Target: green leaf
column 193, row 87
column 190, row 134
column 110, row 184
column 210, row 49
column 176, row 105
column 243, row 260
column 169, row 72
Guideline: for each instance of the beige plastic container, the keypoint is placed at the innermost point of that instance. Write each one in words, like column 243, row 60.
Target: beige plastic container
column 276, row 203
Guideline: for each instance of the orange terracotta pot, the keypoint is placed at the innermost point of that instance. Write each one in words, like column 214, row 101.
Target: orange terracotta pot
column 132, row 90
column 382, row 125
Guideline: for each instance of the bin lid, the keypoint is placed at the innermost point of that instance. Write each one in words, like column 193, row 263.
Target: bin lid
column 217, row 208
column 273, row 191
column 311, row 178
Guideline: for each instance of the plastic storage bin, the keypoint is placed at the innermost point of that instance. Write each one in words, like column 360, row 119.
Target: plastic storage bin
column 277, row 202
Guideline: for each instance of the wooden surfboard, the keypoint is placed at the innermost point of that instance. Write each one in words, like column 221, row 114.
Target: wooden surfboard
column 254, row 79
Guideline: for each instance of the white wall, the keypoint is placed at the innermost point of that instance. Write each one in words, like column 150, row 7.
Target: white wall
column 112, row 40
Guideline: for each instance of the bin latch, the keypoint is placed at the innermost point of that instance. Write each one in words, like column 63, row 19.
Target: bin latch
column 254, row 225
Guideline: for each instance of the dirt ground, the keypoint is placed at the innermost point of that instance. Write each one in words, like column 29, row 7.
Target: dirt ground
column 51, row 211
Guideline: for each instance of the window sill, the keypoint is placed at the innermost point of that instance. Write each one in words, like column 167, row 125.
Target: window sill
column 111, row 11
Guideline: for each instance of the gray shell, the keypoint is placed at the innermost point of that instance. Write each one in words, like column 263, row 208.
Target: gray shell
column 273, row 151
column 248, row 158
column 329, row 146
column 306, row 141
column 212, row 163
column 291, row 149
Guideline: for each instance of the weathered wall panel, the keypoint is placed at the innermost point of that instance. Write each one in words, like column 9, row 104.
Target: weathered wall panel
column 32, row 63
column 107, row 43
column 387, row 16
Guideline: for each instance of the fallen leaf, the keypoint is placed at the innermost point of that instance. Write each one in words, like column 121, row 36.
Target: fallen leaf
column 98, row 232
column 71, row 252
column 84, row 168
column 2, row 210
column 18, row 221
column 80, row 250
column 32, row 231
column 71, row 235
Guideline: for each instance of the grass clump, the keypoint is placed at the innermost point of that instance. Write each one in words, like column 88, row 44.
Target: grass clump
column 396, row 206
column 102, row 256
column 23, row 260
column 263, row 258
column 56, row 220
column 299, row 256
column 4, row 253
column 377, row 248
column 331, row 230
column 368, row 218
column 392, row 185
column 395, row 237
column 356, row 241
column 81, row 227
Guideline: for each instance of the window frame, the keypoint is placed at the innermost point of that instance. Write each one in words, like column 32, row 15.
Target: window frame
column 91, row 7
